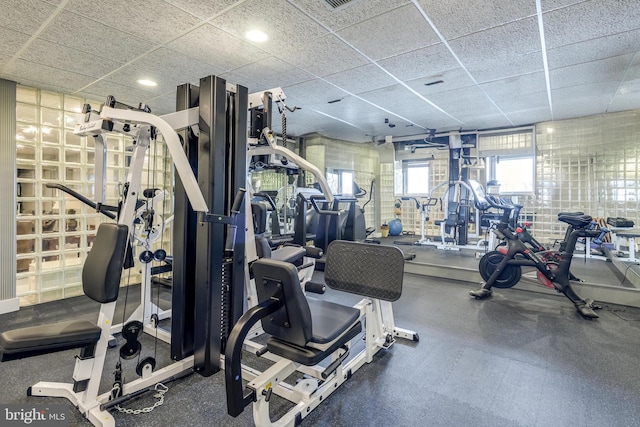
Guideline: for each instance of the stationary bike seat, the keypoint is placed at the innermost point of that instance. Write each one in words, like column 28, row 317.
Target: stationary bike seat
column 570, row 214
column 576, row 221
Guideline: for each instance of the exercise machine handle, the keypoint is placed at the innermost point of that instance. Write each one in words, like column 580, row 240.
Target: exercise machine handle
column 314, row 202
column 103, row 209
column 232, row 228
column 411, row 198
column 237, row 202
column 268, row 198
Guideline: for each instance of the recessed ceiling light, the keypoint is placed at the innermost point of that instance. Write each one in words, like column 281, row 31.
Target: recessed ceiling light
column 256, row 36
column 145, row 82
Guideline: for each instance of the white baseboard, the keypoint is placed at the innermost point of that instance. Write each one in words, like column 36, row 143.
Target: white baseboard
column 9, row 305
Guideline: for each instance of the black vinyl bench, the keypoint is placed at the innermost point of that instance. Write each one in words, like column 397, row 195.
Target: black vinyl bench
column 100, row 281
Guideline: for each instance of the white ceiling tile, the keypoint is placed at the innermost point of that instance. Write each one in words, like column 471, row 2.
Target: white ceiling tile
column 590, row 50
column 25, row 16
column 548, row 5
column 589, row 20
column 406, row 106
column 352, row 13
column 583, row 100
column 164, row 104
column 422, row 115
column 285, row 25
column 325, row 55
column 361, row 79
column 501, row 52
column 166, row 68
column 83, row 34
column 526, row 117
column 516, row 86
column 424, row 62
column 47, row 76
column 465, row 102
column 12, row 41
column 604, row 70
column 451, row 79
column 153, row 20
column 486, row 121
column 351, row 110
column 57, row 56
column 395, row 32
column 203, row 9
column 523, row 102
column 387, row 94
column 267, row 74
column 212, row 45
column 312, row 92
column 458, row 18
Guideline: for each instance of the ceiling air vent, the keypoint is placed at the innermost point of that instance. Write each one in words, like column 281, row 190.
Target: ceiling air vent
column 337, row 3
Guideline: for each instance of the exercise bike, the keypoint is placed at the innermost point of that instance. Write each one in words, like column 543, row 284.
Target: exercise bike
column 503, row 270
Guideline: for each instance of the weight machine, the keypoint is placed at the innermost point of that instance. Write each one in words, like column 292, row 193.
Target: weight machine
column 207, row 263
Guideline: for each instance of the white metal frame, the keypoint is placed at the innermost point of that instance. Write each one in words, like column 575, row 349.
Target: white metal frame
column 90, row 369
column 307, row 394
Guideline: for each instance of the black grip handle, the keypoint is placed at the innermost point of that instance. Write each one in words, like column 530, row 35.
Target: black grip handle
column 313, row 252
column 237, row 202
column 411, row 198
column 100, row 208
column 322, row 211
column 268, row 198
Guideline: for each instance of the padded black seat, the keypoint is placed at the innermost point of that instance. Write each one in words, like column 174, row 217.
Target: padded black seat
column 328, row 319
column 309, row 356
column 580, row 221
column 100, row 281
column 288, row 253
column 303, row 330
column 570, row 214
column 41, row 339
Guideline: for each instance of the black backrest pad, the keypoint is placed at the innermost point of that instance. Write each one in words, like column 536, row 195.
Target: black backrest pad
column 374, row 271
column 263, row 250
column 277, row 279
column 259, row 212
column 103, row 266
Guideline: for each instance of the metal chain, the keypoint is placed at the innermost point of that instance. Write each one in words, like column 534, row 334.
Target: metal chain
column 161, row 390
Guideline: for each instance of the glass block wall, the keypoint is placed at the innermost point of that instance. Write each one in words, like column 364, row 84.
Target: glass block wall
column 589, row 164
column 54, row 230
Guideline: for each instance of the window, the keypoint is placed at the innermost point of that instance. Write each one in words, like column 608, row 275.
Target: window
column 514, row 174
column 510, row 159
column 416, row 177
column 340, row 181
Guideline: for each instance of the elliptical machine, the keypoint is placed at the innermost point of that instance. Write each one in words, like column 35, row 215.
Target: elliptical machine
column 503, row 270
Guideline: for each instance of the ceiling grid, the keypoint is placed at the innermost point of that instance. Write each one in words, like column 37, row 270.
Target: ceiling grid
column 495, row 63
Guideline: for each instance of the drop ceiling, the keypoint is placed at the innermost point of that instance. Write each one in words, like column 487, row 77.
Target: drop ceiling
column 499, row 63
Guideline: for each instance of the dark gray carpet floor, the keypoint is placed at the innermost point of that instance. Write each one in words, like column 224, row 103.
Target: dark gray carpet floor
column 517, row 359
